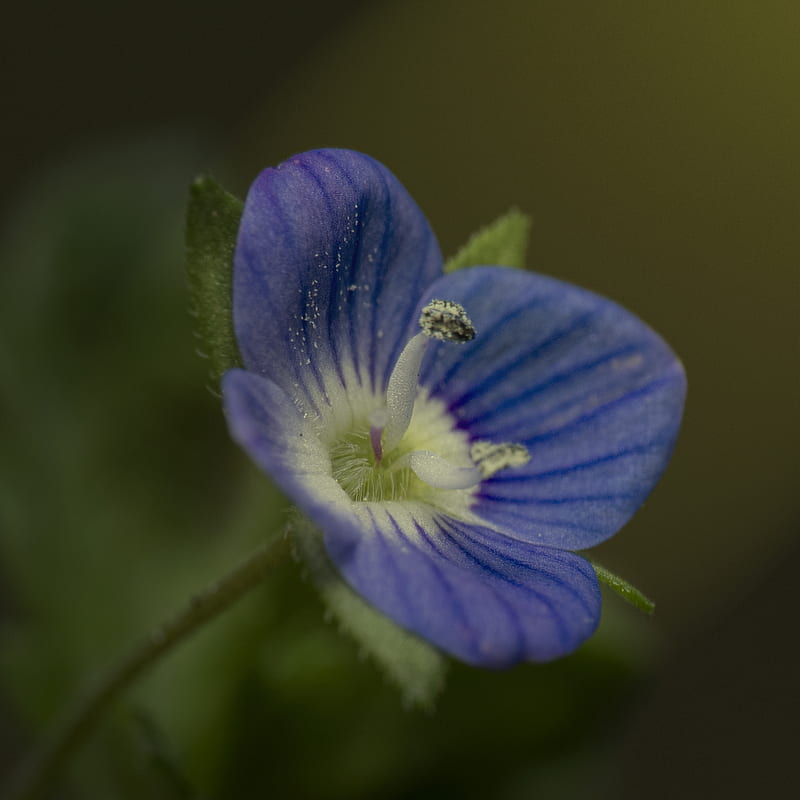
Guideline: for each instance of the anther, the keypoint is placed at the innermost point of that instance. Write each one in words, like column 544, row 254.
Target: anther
column 490, row 458
column 446, row 321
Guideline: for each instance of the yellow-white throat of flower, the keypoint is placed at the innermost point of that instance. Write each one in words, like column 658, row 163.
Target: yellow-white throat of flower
column 381, row 470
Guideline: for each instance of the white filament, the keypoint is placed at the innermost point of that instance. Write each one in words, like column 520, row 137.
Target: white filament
column 402, row 391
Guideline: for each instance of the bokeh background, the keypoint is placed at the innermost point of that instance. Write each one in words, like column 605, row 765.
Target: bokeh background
column 654, row 145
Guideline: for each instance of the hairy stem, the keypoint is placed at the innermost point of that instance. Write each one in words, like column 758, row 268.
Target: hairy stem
column 37, row 771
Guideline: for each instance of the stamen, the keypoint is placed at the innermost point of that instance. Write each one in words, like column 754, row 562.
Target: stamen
column 490, row 458
column 402, row 391
column 440, row 319
column 438, row 472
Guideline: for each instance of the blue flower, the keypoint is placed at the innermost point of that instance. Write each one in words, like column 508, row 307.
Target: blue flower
column 454, row 437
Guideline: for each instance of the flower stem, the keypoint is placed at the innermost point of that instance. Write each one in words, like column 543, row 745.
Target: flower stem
column 37, row 771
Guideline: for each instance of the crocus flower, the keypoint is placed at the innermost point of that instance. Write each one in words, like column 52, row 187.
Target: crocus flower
column 454, row 437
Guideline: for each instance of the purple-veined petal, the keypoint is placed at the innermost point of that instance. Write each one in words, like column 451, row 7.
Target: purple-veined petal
column 593, row 393
column 479, row 595
column 331, row 258
column 486, row 599
column 263, row 419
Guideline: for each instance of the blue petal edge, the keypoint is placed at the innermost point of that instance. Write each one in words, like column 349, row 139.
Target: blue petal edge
column 478, row 595
column 485, row 599
column 593, row 393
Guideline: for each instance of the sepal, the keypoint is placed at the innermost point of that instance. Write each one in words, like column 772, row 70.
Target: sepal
column 503, row 242
column 625, row 590
column 212, row 223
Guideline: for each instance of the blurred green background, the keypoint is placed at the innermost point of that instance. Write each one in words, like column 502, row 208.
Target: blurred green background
column 655, row 146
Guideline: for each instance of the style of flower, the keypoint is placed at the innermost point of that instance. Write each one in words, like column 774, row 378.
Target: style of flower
column 454, row 437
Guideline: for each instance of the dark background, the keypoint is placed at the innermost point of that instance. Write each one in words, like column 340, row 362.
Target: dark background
column 654, row 145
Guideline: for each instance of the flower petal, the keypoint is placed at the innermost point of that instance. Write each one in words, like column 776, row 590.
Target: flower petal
column 592, row 392
column 331, row 258
column 478, row 595
column 485, row 598
column 267, row 425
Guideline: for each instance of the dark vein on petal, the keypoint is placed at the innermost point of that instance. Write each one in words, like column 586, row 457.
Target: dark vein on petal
column 503, row 510
column 554, row 381
column 643, row 391
column 448, row 584
column 483, row 339
column 278, row 212
column 542, row 599
column 311, row 361
column 554, row 340
column 304, row 350
column 356, row 238
column 502, row 601
column 376, row 282
column 333, row 285
column 517, row 477
column 341, row 256
column 557, row 501
column 554, row 579
column 391, row 561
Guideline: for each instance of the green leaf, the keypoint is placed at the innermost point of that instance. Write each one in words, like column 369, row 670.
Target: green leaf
column 414, row 666
column 503, row 243
column 624, row 589
column 212, row 222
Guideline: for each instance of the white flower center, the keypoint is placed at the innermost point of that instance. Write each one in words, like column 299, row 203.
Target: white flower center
column 410, row 448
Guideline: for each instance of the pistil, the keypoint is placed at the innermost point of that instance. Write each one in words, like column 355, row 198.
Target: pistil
column 377, row 422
